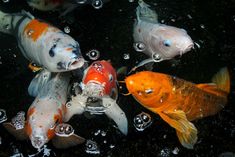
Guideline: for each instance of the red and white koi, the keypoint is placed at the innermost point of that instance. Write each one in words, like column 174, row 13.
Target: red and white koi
column 99, row 95
column 45, row 115
column 42, row 43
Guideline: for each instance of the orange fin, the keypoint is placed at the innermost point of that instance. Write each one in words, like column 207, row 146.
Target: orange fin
column 186, row 131
column 222, row 79
column 34, row 68
column 19, row 134
column 209, row 87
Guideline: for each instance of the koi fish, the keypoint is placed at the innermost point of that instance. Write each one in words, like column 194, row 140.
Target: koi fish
column 158, row 41
column 41, row 43
column 178, row 101
column 65, row 5
column 45, row 115
column 99, row 95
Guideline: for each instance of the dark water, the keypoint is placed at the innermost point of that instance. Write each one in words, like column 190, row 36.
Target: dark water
column 211, row 24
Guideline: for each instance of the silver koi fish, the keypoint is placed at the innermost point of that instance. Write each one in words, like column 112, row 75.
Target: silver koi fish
column 41, row 43
column 158, row 41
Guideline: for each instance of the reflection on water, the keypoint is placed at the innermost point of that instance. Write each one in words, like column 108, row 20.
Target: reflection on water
column 109, row 30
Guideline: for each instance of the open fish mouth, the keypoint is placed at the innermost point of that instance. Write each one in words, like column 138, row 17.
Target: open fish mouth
column 76, row 63
column 188, row 48
column 38, row 141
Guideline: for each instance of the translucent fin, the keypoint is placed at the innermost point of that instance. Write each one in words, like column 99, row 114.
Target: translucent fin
column 144, row 62
column 19, row 134
column 62, row 142
column 75, row 106
column 186, row 131
column 222, row 79
column 143, row 12
column 38, row 82
column 115, row 113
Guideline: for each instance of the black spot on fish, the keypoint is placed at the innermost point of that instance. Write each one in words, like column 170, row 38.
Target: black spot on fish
column 61, row 66
column 51, row 51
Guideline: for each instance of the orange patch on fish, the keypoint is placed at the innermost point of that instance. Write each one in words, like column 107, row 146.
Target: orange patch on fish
column 28, row 129
column 34, row 29
column 30, row 111
column 69, row 49
column 50, row 133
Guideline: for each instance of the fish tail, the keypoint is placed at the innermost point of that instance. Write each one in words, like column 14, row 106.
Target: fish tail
column 222, row 79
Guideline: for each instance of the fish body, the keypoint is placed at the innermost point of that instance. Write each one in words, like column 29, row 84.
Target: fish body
column 47, row 111
column 42, row 43
column 99, row 95
column 178, row 101
column 65, row 5
column 159, row 42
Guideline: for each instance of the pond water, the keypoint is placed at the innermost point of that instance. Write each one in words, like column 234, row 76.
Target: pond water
column 211, row 24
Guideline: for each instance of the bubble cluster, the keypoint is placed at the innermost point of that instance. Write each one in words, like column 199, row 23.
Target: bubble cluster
column 142, row 121
column 19, row 120
column 64, row 130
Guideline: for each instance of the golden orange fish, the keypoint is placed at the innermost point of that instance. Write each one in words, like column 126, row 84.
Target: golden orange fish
column 178, row 101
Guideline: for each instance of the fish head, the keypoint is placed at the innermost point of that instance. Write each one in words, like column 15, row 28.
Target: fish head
column 63, row 54
column 167, row 42
column 101, row 75
column 42, row 118
column 145, row 87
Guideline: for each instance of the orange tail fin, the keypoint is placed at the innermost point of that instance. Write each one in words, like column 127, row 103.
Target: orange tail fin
column 222, row 79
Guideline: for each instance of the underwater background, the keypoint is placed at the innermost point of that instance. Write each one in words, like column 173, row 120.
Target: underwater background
column 211, row 24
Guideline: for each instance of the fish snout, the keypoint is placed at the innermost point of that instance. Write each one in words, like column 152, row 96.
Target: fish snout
column 38, row 141
column 188, row 48
column 76, row 63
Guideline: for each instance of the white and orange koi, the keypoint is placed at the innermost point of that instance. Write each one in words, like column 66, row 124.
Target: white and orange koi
column 45, row 116
column 99, row 95
column 42, row 43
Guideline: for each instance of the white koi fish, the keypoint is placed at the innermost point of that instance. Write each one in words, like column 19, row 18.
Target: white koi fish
column 41, row 43
column 45, row 115
column 158, row 41
column 99, row 95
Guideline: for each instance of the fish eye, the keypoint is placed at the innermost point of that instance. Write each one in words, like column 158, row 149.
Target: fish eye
column 167, row 43
column 148, row 91
column 110, row 77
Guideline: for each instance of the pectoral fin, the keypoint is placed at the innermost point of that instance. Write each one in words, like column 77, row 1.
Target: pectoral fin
column 75, row 106
column 186, row 131
column 38, row 82
column 19, row 134
column 61, row 142
column 65, row 137
column 114, row 112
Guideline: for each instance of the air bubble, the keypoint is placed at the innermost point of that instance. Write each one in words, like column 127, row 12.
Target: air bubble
column 30, row 32
column 93, row 54
column 81, row 1
column 139, row 46
column 97, row 4
column 142, row 121
column 126, row 56
column 5, row 1
column 67, row 29
column 3, row 116
column 92, row 148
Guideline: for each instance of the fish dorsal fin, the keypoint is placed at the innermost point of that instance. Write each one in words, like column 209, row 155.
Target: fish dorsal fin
column 211, row 88
column 62, row 142
column 19, row 134
column 143, row 12
column 186, row 131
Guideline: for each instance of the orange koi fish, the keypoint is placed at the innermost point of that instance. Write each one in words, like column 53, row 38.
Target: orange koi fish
column 178, row 101
column 45, row 116
column 42, row 43
column 99, row 95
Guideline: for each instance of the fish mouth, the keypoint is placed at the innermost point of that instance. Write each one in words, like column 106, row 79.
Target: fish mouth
column 38, row 141
column 188, row 48
column 76, row 63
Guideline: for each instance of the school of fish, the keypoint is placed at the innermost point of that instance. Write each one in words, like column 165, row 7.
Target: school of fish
column 58, row 60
